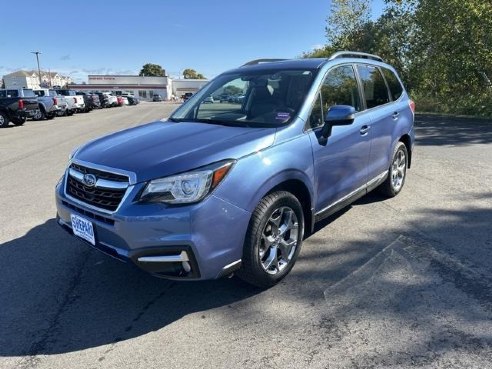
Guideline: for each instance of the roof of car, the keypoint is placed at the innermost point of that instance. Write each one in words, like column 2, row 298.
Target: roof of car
column 306, row 63
column 263, row 64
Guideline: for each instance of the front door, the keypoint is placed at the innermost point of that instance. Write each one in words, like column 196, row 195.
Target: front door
column 341, row 163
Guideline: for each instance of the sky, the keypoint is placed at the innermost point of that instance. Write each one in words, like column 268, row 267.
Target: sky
column 78, row 38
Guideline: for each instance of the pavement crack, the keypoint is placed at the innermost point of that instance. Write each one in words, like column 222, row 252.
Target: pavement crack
column 136, row 319
column 31, row 359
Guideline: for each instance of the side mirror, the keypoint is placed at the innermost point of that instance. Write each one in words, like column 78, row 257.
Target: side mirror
column 337, row 115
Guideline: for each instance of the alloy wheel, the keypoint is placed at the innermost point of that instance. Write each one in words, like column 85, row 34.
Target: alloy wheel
column 279, row 240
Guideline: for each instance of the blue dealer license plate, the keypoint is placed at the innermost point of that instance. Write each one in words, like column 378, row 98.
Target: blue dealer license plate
column 83, row 228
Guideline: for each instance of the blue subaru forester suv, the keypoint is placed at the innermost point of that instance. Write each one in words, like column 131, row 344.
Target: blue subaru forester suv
column 233, row 186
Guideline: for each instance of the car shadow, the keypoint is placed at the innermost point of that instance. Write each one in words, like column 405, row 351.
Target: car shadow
column 59, row 295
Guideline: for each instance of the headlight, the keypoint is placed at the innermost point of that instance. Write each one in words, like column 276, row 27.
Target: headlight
column 187, row 187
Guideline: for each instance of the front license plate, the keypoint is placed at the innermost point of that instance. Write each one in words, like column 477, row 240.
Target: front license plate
column 83, row 229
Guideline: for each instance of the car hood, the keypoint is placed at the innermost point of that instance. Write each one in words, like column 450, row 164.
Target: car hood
column 160, row 149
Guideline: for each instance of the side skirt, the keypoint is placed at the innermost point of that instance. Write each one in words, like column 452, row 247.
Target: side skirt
column 350, row 198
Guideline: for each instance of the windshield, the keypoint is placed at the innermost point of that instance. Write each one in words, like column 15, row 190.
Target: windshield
column 265, row 98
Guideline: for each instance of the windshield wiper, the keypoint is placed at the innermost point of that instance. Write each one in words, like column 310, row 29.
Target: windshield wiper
column 220, row 122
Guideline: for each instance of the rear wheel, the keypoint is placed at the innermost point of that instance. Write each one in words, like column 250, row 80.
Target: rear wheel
column 4, row 120
column 397, row 172
column 39, row 114
column 273, row 240
column 18, row 121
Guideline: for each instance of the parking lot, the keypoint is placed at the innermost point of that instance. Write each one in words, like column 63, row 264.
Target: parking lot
column 399, row 283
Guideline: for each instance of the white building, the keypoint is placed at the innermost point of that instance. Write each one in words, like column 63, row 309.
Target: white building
column 30, row 79
column 182, row 86
column 141, row 86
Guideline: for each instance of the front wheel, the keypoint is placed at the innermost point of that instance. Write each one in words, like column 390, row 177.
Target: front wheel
column 273, row 240
column 397, row 172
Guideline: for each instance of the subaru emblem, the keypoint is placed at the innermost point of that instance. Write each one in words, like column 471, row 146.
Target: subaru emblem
column 90, row 180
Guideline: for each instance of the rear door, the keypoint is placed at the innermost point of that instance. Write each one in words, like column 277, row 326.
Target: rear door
column 384, row 115
column 340, row 164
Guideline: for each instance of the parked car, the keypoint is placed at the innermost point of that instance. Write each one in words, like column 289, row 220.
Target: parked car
column 156, row 97
column 104, row 100
column 79, row 100
column 132, row 100
column 111, row 99
column 58, row 100
column 208, row 100
column 16, row 109
column 91, row 100
column 212, row 192
column 47, row 105
column 186, row 96
column 65, row 103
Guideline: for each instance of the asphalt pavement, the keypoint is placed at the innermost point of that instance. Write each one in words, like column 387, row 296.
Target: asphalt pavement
column 398, row 283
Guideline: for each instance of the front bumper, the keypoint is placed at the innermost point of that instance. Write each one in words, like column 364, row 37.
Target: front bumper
column 199, row 241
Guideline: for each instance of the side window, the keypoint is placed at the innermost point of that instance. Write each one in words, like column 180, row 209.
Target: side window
column 338, row 88
column 375, row 90
column 394, row 84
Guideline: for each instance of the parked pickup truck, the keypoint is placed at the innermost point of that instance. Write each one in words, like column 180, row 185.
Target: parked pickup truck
column 79, row 99
column 48, row 106
column 65, row 104
column 16, row 109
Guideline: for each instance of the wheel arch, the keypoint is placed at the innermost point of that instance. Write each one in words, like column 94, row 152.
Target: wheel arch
column 408, row 143
column 297, row 188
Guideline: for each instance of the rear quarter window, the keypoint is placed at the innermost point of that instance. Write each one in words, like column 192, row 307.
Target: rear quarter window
column 396, row 89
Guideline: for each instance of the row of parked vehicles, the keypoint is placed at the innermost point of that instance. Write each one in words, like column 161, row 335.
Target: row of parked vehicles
column 18, row 105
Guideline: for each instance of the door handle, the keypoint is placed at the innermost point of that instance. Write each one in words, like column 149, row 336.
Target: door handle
column 364, row 130
column 395, row 115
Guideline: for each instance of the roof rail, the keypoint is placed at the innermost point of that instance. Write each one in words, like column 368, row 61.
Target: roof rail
column 258, row 61
column 354, row 54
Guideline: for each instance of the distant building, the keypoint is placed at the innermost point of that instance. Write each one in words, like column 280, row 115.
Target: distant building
column 30, row 79
column 142, row 86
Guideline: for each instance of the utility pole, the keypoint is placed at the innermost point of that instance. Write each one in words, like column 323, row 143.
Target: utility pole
column 39, row 69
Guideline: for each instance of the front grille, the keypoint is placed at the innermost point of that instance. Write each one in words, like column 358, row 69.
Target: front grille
column 103, row 198
column 99, row 173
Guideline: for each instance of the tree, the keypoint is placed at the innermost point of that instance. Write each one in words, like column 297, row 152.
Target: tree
column 192, row 74
column 347, row 23
column 441, row 49
column 152, row 70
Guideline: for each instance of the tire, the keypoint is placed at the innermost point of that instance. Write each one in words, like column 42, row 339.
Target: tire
column 18, row 121
column 4, row 120
column 269, row 252
column 70, row 112
column 397, row 172
column 50, row 116
column 40, row 115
